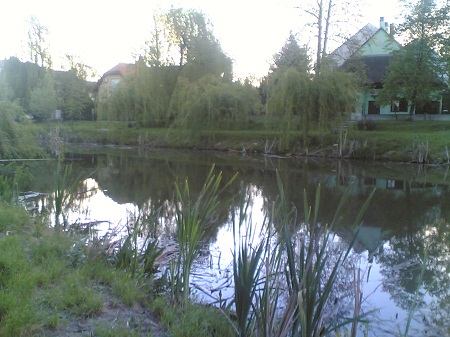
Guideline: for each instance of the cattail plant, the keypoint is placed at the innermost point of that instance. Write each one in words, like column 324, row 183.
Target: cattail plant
column 192, row 217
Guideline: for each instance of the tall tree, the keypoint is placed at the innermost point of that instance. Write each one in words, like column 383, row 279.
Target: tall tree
column 37, row 43
column 327, row 18
column 288, row 89
column 291, row 55
column 154, row 54
column 183, row 27
column 186, row 36
column 417, row 73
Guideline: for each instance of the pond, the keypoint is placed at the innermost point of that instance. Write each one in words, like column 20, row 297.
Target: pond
column 407, row 216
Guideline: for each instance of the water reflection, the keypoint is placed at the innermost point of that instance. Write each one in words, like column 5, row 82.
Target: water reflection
column 402, row 225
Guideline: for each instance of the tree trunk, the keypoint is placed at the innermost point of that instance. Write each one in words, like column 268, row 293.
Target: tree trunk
column 319, row 38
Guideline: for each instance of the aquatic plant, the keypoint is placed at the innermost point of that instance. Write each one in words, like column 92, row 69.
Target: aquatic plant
column 297, row 260
column 139, row 257
column 306, row 262
column 192, row 218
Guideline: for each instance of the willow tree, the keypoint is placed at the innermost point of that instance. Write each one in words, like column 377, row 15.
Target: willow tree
column 213, row 103
column 333, row 96
column 288, row 99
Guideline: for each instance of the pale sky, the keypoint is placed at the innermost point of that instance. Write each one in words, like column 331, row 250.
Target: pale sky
column 103, row 33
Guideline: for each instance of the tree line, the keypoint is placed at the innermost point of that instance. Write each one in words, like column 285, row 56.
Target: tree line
column 184, row 79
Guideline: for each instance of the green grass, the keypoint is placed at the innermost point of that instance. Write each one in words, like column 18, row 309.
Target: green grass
column 389, row 141
column 193, row 320
column 395, row 140
column 48, row 278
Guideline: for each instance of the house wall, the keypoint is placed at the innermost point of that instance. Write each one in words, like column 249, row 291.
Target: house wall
column 381, row 43
column 108, row 84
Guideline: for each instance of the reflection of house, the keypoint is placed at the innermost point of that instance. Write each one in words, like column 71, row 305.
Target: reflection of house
column 111, row 79
column 369, row 51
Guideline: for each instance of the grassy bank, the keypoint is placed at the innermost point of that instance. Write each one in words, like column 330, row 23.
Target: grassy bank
column 52, row 284
column 406, row 141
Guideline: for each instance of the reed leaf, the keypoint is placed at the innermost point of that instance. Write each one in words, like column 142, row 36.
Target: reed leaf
column 193, row 216
column 246, row 267
column 308, row 276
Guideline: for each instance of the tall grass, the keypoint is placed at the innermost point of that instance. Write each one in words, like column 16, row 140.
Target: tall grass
column 193, row 216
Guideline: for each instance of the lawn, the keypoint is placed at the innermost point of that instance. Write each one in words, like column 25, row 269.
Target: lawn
column 406, row 141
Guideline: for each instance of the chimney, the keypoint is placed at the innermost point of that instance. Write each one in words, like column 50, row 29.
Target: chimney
column 386, row 26
column 382, row 22
column 392, row 29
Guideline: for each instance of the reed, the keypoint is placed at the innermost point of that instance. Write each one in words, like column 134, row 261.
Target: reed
column 292, row 258
column 193, row 216
column 139, row 257
column 246, row 268
column 308, row 257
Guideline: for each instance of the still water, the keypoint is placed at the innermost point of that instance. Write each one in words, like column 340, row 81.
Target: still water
column 408, row 215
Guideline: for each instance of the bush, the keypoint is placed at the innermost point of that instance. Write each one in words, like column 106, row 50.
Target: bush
column 366, row 125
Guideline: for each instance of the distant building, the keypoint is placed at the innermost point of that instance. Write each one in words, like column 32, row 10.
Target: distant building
column 371, row 50
column 111, row 79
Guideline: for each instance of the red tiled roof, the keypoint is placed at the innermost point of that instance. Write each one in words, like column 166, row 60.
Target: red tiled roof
column 121, row 69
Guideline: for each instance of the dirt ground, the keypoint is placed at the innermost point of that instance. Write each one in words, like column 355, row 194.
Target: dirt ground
column 116, row 319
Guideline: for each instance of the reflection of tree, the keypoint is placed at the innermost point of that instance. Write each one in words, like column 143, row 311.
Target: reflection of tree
column 401, row 269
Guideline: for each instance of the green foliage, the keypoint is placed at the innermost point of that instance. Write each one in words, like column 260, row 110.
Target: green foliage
column 13, row 180
column 38, row 44
column 292, row 56
column 246, row 269
column 143, row 98
column 22, row 78
column 8, row 128
column 5, row 90
column 334, row 95
column 73, row 296
column 212, row 103
column 73, row 95
column 17, row 134
column 295, row 256
column 289, row 101
column 296, row 100
column 44, row 99
column 194, row 320
column 12, row 218
column 138, row 257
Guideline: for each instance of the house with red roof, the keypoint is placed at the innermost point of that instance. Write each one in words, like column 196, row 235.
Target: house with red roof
column 112, row 78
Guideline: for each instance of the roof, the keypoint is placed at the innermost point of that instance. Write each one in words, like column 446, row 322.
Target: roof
column 374, row 66
column 120, row 69
column 349, row 47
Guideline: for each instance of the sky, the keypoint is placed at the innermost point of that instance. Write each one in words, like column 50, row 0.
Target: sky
column 103, row 33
